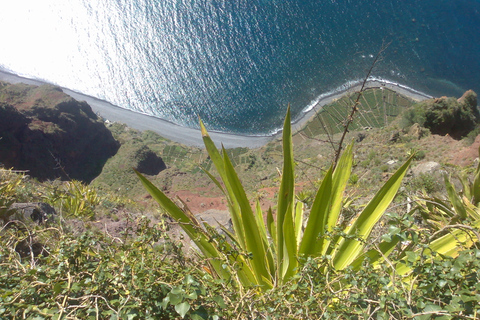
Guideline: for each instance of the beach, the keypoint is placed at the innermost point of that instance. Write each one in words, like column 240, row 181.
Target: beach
column 193, row 137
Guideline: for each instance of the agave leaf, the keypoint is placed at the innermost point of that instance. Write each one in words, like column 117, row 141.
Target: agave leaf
column 340, row 178
column 298, row 222
column 476, row 185
column 272, row 229
column 215, row 180
column 245, row 274
column 269, row 259
column 247, row 232
column 234, row 206
column 341, row 175
column 375, row 256
column 193, row 231
column 287, row 187
column 450, row 243
column 472, row 210
column 447, row 245
column 290, row 261
column 455, row 199
column 313, row 237
column 253, row 232
column 442, row 206
column 260, row 222
column 466, row 186
column 349, row 248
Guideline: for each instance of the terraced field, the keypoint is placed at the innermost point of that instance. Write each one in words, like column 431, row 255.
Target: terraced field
column 376, row 109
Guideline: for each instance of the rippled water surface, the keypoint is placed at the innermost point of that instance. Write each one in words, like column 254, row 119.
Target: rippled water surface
column 238, row 63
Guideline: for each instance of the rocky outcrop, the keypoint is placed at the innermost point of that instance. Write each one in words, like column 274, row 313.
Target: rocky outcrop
column 428, row 167
column 50, row 134
column 446, row 115
column 38, row 212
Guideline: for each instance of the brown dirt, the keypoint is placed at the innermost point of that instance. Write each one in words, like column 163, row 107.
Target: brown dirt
column 466, row 156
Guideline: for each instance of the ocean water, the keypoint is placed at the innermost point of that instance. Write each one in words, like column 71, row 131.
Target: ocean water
column 236, row 63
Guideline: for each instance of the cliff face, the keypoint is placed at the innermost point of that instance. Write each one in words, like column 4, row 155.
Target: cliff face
column 50, row 134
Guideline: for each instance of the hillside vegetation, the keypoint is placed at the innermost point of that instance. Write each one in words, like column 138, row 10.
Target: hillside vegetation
column 109, row 252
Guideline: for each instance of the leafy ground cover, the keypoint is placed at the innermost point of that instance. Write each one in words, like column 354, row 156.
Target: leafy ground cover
column 144, row 274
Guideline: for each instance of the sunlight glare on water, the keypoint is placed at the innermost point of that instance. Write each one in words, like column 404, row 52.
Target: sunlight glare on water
column 238, row 63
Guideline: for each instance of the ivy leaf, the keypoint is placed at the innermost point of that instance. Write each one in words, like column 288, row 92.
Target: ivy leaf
column 175, row 298
column 220, row 301
column 182, row 309
column 165, row 302
column 57, row 288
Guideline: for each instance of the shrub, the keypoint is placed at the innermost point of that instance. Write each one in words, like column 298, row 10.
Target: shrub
column 76, row 199
column 9, row 182
column 413, row 115
column 443, row 116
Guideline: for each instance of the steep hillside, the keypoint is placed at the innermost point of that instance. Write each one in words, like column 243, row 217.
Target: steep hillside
column 50, row 134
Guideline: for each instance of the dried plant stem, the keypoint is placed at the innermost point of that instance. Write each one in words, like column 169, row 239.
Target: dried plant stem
column 350, row 118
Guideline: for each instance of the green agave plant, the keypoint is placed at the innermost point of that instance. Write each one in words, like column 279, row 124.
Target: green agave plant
column 458, row 207
column 455, row 220
column 272, row 252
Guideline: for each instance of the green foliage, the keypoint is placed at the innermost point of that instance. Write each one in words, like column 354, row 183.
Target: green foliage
column 431, row 270
column 424, row 182
column 472, row 135
column 415, row 114
column 9, row 183
column 443, row 116
column 267, row 261
column 76, row 199
column 458, row 207
column 377, row 107
column 353, row 180
column 367, row 294
column 94, row 276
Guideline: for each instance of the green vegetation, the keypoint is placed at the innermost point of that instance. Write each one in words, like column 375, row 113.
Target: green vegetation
column 330, row 246
column 143, row 274
column 445, row 115
column 267, row 263
column 378, row 107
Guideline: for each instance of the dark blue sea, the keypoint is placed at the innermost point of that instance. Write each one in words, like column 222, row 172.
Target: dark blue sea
column 236, row 63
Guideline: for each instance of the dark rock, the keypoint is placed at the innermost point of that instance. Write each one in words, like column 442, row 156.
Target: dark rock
column 39, row 212
column 12, row 126
column 26, row 248
column 51, row 135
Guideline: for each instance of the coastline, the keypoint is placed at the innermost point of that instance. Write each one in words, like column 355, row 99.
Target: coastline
column 193, row 137
column 374, row 83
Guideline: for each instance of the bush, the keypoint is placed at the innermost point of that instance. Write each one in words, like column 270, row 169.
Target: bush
column 444, row 116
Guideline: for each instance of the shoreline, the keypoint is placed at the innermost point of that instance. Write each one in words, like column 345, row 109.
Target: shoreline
column 374, row 83
column 193, row 137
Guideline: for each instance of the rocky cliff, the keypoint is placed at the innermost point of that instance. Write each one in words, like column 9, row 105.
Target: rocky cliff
column 446, row 115
column 50, row 134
